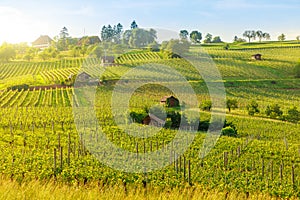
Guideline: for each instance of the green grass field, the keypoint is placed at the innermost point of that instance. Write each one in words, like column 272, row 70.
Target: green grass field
column 41, row 146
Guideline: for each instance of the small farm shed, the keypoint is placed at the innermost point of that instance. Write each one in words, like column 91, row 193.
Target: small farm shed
column 170, row 101
column 153, row 120
column 83, row 76
column 108, row 60
column 257, row 56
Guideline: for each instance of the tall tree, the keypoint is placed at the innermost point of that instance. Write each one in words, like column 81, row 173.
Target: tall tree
column 260, row 35
column 235, row 39
column 141, row 38
column 216, row 39
column 177, row 47
column 196, row 36
column 126, row 37
column 298, row 38
column 249, row 34
column 118, row 33
column 104, row 33
column 281, row 37
column 208, row 38
column 133, row 25
column 63, row 39
column 183, row 34
column 267, row 36
column 64, row 33
column 231, row 104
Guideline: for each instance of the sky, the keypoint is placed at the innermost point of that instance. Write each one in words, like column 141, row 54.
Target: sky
column 26, row 20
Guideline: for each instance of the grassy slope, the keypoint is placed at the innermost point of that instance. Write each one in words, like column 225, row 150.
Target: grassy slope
column 244, row 79
column 51, row 190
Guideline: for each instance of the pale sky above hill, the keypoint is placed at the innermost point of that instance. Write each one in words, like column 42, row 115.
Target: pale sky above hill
column 25, row 20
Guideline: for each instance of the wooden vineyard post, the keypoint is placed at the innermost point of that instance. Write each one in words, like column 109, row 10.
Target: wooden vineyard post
column 184, row 169
column 74, row 150
column 239, row 151
column 54, row 162
column 52, row 127
column 61, row 157
column 24, row 140
column 180, row 164
column 286, row 144
column 262, row 168
column 271, row 169
column 281, row 172
column 189, row 172
column 293, row 175
column 58, row 140
column 176, row 163
column 69, row 148
column 137, row 150
column 225, row 159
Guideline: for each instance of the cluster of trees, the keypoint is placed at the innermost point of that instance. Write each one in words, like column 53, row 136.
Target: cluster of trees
column 175, row 47
column 273, row 111
column 281, row 37
column 210, row 39
column 251, row 34
column 50, row 52
column 112, row 34
column 195, row 36
column 63, row 41
column 7, row 52
column 236, row 39
column 134, row 38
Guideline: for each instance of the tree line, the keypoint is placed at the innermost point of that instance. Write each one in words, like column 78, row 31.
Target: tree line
column 117, row 38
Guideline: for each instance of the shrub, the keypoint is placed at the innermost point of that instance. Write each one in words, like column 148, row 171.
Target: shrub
column 138, row 117
column 206, row 105
column 19, row 87
column 252, row 108
column 229, row 131
column 293, row 115
column 273, row 111
column 175, row 118
column 231, row 104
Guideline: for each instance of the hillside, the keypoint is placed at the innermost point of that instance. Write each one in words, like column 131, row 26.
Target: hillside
column 44, row 138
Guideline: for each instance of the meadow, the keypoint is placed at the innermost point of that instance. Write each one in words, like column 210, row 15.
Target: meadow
column 41, row 146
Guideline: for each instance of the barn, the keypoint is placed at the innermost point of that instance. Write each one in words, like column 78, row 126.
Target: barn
column 43, row 42
column 153, row 120
column 170, row 101
column 107, row 60
column 83, row 76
